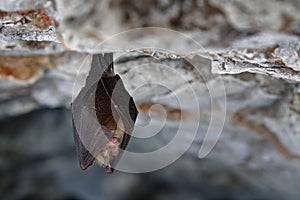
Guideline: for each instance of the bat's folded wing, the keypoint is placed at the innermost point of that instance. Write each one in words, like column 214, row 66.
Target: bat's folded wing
column 89, row 135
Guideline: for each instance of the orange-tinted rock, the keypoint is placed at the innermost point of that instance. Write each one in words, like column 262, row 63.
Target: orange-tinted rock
column 19, row 67
column 26, row 67
column 27, row 25
column 37, row 18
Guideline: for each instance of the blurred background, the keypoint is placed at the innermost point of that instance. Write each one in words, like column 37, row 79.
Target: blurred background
column 254, row 46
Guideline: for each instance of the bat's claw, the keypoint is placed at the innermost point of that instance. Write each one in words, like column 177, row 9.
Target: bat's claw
column 108, row 169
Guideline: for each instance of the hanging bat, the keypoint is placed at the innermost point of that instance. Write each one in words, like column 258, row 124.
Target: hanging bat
column 103, row 116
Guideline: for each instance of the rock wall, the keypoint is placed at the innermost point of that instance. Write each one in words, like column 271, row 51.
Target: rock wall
column 251, row 49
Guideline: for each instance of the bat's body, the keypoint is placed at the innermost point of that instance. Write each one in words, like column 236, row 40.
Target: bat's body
column 110, row 112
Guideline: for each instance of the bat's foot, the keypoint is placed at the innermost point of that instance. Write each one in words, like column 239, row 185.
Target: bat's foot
column 108, row 169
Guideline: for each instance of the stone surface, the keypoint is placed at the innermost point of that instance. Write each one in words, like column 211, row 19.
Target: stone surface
column 198, row 46
column 33, row 25
column 271, row 54
column 38, row 161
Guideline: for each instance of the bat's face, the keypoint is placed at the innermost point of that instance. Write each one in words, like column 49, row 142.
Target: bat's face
column 103, row 119
column 111, row 151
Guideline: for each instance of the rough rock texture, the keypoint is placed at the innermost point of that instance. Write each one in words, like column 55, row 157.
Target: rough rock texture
column 252, row 48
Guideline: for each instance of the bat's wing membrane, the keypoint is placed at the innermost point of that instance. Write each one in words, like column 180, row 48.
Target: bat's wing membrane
column 89, row 135
column 96, row 111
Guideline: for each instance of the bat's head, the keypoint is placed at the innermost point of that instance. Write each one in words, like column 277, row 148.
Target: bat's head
column 110, row 153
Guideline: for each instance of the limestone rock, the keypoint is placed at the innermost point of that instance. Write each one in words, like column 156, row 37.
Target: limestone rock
column 233, row 63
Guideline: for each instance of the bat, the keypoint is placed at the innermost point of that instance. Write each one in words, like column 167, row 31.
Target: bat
column 103, row 116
